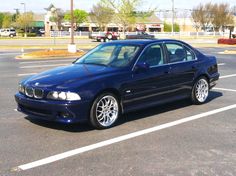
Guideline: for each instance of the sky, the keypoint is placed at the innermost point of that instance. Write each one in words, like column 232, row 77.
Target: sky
column 37, row 6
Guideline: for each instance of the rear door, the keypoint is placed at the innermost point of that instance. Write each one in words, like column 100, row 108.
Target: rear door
column 182, row 63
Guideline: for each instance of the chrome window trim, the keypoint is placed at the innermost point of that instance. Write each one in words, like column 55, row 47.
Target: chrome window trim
column 183, row 45
column 164, row 54
column 155, row 43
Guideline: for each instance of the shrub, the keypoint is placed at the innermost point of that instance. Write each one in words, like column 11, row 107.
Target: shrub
column 227, row 41
column 31, row 34
column 168, row 27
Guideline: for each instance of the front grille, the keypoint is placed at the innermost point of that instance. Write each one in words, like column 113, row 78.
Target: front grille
column 34, row 92
column 29, row 91
column 38, row 93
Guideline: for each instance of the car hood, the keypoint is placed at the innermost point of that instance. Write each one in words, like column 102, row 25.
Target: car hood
column 66, row 75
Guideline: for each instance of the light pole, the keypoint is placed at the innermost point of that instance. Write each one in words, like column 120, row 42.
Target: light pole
column 72, row 46
column 173, row 16
column 72, row 21
column 24, row 16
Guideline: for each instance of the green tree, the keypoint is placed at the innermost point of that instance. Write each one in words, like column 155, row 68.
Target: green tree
column 125, row 11
column 80, row 16
column 168, row 27
column 176, row 27
column 24, row 20
column 7, row 20
column 1, row 19
column 102, row 15
column 15, row 15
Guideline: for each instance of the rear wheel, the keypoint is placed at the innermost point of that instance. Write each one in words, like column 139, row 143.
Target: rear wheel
column 200, row 91
column 109, row 36
column 105, row 111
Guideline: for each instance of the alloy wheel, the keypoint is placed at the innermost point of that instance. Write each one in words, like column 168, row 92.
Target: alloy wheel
column 201, row 90
column 107, row 111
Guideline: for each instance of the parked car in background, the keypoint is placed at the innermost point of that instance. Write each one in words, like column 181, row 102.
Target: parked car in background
column 8, row 32
column 104, row 36
column 140, row 35
column 118, row 77
column 41, row 32
column 234, row 34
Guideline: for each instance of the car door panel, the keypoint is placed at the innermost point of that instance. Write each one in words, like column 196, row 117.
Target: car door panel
column 182, row 68
column 148, row 86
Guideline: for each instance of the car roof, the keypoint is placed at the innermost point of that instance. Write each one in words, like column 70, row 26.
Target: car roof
column 143, row 41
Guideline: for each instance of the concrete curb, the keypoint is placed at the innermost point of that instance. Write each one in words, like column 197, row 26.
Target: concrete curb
column 228, row 52
column 20, row 57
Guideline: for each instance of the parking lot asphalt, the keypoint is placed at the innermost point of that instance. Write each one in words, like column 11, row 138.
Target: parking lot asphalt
column 172, row 139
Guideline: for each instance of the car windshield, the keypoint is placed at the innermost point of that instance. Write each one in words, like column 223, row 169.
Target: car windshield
column 114, row 55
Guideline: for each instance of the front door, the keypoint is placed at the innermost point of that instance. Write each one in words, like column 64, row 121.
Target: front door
column 150, row 84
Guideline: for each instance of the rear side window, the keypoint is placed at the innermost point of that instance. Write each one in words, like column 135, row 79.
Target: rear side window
column 179, row 53
column 153, row 56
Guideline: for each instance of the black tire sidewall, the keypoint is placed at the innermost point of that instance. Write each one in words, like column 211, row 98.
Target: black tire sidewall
column 92, row 118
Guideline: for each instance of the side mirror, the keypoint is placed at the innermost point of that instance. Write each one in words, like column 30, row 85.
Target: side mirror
column 141, row 67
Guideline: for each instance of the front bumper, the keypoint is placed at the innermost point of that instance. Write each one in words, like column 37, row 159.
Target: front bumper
column 51, row 110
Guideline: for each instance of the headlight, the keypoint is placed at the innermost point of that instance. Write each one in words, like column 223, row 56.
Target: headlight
column 21, row 88
column 70, row 96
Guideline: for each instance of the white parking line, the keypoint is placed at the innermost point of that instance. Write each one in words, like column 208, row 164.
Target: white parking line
column 26, row 74
column 118, row 139
column 221, row 64
column 39, row 66
column 47, row 61
column 223, row 89
column 227, row 76
column 5, row 54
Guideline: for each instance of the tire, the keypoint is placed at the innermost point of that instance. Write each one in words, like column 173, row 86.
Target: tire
column 109, row 36
column 102, row 40
column 200, row 90
column 11, row 35
column 105, row 111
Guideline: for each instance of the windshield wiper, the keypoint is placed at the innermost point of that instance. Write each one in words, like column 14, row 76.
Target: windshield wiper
column 96, row 64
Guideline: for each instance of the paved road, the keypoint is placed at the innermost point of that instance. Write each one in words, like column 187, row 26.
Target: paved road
column 65, row 41
column 41, row 41
column 205, row 146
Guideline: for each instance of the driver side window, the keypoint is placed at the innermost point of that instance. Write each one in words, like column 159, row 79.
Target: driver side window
column 153, row 56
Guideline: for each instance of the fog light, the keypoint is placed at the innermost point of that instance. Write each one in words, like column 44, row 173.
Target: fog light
column 64, row 115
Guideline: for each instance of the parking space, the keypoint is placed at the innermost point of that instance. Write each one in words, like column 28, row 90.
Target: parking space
column 172, row 139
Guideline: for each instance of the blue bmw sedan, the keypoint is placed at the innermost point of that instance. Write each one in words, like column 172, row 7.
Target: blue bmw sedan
column 118, row 77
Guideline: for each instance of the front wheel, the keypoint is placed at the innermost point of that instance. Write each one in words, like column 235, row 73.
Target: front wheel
column 200, row 91
column 105, row 111
column 109, row 36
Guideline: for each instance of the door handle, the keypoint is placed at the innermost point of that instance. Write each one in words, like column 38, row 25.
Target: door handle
column 194, row 67
column 168, row 71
